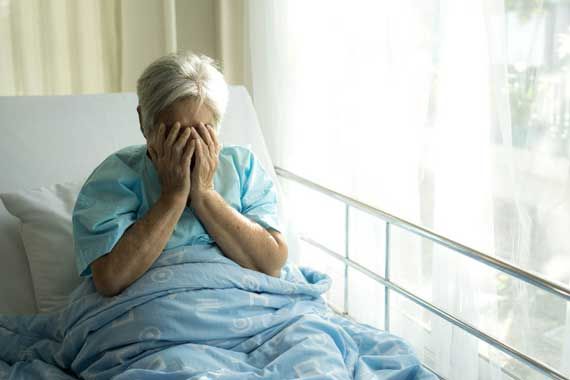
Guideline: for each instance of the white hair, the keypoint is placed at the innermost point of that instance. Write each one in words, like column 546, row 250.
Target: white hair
column 177, row 76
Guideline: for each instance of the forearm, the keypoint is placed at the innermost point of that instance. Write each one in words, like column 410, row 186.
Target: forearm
column 241, row 239
column 139, row 247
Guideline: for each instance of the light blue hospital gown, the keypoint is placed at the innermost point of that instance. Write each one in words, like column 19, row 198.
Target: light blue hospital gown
column 123, row 188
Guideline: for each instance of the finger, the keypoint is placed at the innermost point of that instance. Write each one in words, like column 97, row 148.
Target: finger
column 152, row 153
column 214, row 137
column 189, row 152
column 172, row 136
column 205, row 134
column 199, row 151
column 199, row 136
column 158, row 140
column 181, row 142
column 195, row 135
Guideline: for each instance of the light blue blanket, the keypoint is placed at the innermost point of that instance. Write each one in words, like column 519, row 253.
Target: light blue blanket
column 197, row 315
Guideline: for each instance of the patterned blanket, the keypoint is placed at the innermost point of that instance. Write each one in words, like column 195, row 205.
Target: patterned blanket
column 198, row 315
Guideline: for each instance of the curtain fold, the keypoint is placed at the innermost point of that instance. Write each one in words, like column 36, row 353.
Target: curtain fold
column 232, row 40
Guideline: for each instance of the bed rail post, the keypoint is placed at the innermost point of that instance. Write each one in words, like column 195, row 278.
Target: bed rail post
column 387, row 277
column 346, row 249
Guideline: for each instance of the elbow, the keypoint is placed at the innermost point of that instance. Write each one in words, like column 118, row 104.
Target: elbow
column 108, row 291
column 105, row 283
column 276, row 273
column 279, row 260
column 273, row 272
column 104, row 287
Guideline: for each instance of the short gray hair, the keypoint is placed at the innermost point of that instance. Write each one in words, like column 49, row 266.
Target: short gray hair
column 177, row 76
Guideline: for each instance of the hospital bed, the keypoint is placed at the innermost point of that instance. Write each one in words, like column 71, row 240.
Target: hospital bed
column 48, row 140
column 60, row 139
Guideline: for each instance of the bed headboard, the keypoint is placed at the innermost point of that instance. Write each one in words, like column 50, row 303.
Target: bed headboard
column 52, row 139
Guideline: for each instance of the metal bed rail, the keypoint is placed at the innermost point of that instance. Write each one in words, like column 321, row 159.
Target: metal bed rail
column 551, row 287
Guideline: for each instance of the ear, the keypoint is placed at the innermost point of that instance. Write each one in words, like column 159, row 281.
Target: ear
column 140, row 121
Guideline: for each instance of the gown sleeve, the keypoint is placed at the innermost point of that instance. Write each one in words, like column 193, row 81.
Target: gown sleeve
column 106, row 207
column 258, row 192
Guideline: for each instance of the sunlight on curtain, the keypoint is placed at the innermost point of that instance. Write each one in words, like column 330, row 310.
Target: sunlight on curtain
column 451, row 114
column 462, row 199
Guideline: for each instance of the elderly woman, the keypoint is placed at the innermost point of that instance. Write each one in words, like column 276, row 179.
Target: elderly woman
column 181, row 188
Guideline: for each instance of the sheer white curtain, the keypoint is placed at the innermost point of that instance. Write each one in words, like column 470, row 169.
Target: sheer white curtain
column 61, row 47
column 418, row 108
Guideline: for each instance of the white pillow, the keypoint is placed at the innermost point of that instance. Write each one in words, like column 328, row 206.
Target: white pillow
column 47, row 234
